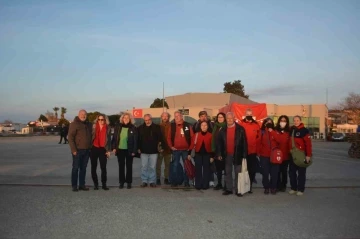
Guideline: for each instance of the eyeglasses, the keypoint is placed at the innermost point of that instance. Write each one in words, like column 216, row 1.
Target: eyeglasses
column 100, row 119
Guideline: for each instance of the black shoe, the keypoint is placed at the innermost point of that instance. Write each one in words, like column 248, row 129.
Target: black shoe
column 83, row 188
column 218, row 186
column 283, row 189
column 158, row 182
column 75, row 189
column 273, row 191
column 239, row 195
column 174, row 185
column 187, row 185
column 166, row 181
column 96, row 187
column 152, row 185
column 121, row 186
column 250, row 192
column 128, row 186
column 266, row 191
column 105, row 188
column 143, row 185
column 227, row 193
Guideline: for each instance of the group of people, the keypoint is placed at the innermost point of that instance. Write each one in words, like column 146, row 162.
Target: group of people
column 216, row 147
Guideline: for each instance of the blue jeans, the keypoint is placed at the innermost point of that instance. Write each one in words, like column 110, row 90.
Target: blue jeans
column 269, row 169
column 177, row 154
column 148, row 167
column 80, row 162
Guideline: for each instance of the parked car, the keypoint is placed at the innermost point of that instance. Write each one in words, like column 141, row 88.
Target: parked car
column 338, row 137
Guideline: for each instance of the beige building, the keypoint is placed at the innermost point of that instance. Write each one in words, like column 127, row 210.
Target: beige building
column 314, row 116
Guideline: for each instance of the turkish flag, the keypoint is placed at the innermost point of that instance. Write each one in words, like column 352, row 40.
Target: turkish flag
column 137, row 113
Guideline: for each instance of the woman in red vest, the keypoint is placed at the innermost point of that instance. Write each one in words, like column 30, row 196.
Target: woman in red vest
column 101, row 138
column 283, row 135
column 201, row 141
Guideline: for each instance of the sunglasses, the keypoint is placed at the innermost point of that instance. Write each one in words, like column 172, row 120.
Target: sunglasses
column 101, row 119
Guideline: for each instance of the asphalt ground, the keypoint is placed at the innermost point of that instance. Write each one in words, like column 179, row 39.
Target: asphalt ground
column 36, row 201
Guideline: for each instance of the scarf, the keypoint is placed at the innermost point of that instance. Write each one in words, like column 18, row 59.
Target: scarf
column 216, row 129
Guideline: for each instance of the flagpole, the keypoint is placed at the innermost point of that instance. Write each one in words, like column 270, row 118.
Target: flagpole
column 163, row 101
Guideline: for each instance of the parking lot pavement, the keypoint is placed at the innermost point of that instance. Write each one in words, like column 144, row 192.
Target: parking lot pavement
column 328, row 209
column 41, row 160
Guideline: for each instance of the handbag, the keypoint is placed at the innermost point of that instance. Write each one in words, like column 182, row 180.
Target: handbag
column 298, row 156
column 243, row 179
column 192, row 154
column 189, row 169
column 276, row 155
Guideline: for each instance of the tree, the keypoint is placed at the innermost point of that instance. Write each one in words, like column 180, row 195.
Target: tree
column 8, row 121
column 236, row 88
column 351, row 106
column 56, row 109
column 114, row 119
column 50, row 116
column 158, row 103
column 43, row 118
column 63, row 121
column 91, row 116
column 63, row 112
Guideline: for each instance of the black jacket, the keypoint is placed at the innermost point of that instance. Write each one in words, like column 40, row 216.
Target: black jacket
column 132, row 138
column 149, row 138
column 240, row 151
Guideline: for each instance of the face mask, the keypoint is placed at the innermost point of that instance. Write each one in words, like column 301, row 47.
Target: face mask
column 269, row 125
column 282, row 124
column 249, row 117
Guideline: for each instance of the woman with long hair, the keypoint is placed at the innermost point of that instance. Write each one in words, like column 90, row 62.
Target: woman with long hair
column 267, row 143
column 220, row 122
column 124, row 145
column 101, row 148
column 283, row 135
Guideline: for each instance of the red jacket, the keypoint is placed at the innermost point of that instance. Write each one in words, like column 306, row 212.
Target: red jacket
column 302, row 139
column 206, row 139
column 252, row 131
column 282, row 137
column 266, row 139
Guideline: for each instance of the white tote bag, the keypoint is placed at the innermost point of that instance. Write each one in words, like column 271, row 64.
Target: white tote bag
column 243, row 179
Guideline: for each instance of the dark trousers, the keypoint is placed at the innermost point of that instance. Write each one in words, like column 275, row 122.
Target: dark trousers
column 230, row 167
column 220, row 167
column 202, row 171
column 63, row 137
column 125, row 159
column 252, row 164
column 269, row 169
column 283, row 175
column 78, row 172
column 297, row 177
column 98, row 153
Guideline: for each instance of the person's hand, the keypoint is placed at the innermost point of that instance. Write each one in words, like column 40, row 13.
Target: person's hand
column 132, row 154
column 108, row 154
column 189, row 157
column 74, row 153
column 139, row 151
column 114, row 151
column 173, row 149
column 307, row 158
column 270, row 129
column 211, row 160
column 220, row 158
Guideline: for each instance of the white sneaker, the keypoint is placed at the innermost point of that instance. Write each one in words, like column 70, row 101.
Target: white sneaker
column 292, row 192
column 299, row 193
column 212, row 184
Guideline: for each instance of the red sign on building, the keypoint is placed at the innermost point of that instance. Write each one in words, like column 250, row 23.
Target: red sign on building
column 137, row 113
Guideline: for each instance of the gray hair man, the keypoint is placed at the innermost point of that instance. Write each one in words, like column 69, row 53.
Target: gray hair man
column 231, row 147
column 80, row 137
column 165, row 151
column 149, row 139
